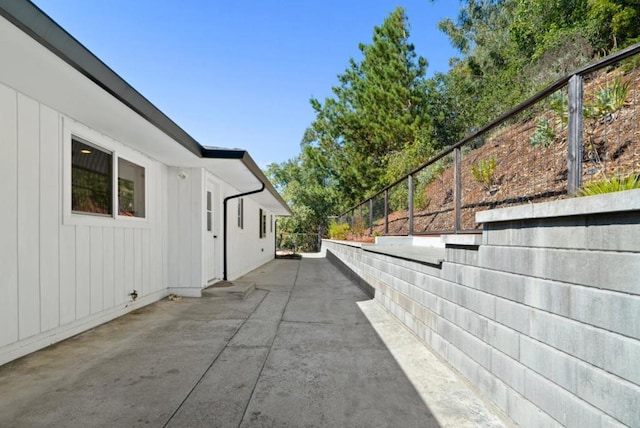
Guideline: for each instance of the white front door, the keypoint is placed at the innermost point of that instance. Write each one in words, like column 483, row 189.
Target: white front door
column 212, row 236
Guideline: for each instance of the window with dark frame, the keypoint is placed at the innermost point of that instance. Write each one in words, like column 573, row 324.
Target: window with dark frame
column 91, row 179
column 209, row 213
column 262, row 223
column 241, row 213
column 131, row 193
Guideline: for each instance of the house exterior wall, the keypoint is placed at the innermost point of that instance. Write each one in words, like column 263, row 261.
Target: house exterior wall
column 187, row 223
column 186, row 231
column 541, row 314
column 246, row 250
column 63, row 273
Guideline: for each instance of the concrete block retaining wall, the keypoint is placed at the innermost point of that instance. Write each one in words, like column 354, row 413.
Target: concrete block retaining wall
column 541, row 313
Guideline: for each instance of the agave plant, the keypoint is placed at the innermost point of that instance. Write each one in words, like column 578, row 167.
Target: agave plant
column 544, row 135
column 608, row 99
column 615, row 184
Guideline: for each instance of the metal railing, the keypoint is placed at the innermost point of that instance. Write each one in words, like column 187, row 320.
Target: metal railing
column 582, row 128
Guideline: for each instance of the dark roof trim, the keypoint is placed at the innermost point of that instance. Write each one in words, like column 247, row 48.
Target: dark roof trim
column 249, row 163
column 219, row 153
column 257, row 172
column 34, row 22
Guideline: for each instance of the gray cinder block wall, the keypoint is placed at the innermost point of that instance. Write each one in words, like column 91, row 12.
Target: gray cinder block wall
column 541, row 312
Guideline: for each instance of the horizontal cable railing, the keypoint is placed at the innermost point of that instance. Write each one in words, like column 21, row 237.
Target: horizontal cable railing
column 584, row 128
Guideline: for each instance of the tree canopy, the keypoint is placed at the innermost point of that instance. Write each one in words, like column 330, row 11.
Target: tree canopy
column 385, row 117
column 378, row 109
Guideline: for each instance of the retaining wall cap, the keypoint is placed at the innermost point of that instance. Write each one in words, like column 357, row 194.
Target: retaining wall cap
column 349, row 243
column 628, row 200
column 466, row 239
column 428, row 255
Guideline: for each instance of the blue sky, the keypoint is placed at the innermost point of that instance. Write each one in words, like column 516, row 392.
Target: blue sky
column 240, row 73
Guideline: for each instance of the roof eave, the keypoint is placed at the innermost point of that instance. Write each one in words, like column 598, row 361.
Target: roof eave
column 250, row 164
column 39, row 26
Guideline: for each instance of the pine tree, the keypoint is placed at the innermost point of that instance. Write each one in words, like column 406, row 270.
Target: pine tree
column 377, row 110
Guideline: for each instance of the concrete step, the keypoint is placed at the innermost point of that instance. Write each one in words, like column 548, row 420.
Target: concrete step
column 229, row 288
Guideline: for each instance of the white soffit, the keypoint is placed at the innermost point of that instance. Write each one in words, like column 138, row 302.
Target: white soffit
column 33, row 70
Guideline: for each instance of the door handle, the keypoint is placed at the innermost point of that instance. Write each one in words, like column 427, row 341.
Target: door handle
column 215, row 236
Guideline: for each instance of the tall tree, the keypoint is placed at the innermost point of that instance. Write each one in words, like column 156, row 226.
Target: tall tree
column 377, row 110
column 385, row 118
column 484, row 77
column 306, row 186
column 615, row 22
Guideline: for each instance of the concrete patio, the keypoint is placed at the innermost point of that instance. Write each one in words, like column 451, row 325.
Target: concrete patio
column 306, row 349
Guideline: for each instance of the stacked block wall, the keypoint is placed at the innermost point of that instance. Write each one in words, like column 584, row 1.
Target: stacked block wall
column 543, row 317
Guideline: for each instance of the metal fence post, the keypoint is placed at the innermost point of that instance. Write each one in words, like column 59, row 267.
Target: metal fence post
column 457, row 190
column 410, row 205
column 574, row 155
column 371, row 217
column 386, row 212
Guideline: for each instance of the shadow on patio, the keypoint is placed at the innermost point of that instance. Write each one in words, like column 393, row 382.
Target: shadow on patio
column 306, row 348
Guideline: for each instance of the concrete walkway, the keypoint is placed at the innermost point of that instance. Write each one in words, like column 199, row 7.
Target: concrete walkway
column 306, row 349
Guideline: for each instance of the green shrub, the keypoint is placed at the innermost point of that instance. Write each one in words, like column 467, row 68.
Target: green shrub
column 615, row 184
column 609, row 99
column 359, row 226
column 338, row 230
column 483, row 171
column 630, row 64
column 420, row 198
column 399, row 196
column 559, row 105
column 544, row 134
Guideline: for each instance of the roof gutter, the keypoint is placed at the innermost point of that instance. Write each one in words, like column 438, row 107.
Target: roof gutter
column 224, row 226
column 244, row 157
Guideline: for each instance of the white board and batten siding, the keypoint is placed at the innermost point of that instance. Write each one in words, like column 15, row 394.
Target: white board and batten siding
column 62, row 273
column 246, row 249
column 186, row 242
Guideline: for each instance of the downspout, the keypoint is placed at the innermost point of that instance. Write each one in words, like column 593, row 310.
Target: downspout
column 275, row 239
column 224, row 225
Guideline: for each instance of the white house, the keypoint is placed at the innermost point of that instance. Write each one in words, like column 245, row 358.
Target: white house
column 108, row 205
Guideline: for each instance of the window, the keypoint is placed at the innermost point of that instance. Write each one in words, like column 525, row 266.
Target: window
column 241, row 213
column 209, row 213
column 130, row 189
column 91, row 179
column 262, row 223
column 93, row 182
column 271, row 223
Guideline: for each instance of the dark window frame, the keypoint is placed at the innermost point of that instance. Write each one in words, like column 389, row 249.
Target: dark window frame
column 241, row 213
column 97, row 187
column 137, row 200
column 91, row 163
column 262, row 223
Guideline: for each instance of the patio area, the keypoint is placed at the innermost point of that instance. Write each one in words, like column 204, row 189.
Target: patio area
column 306, row 348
